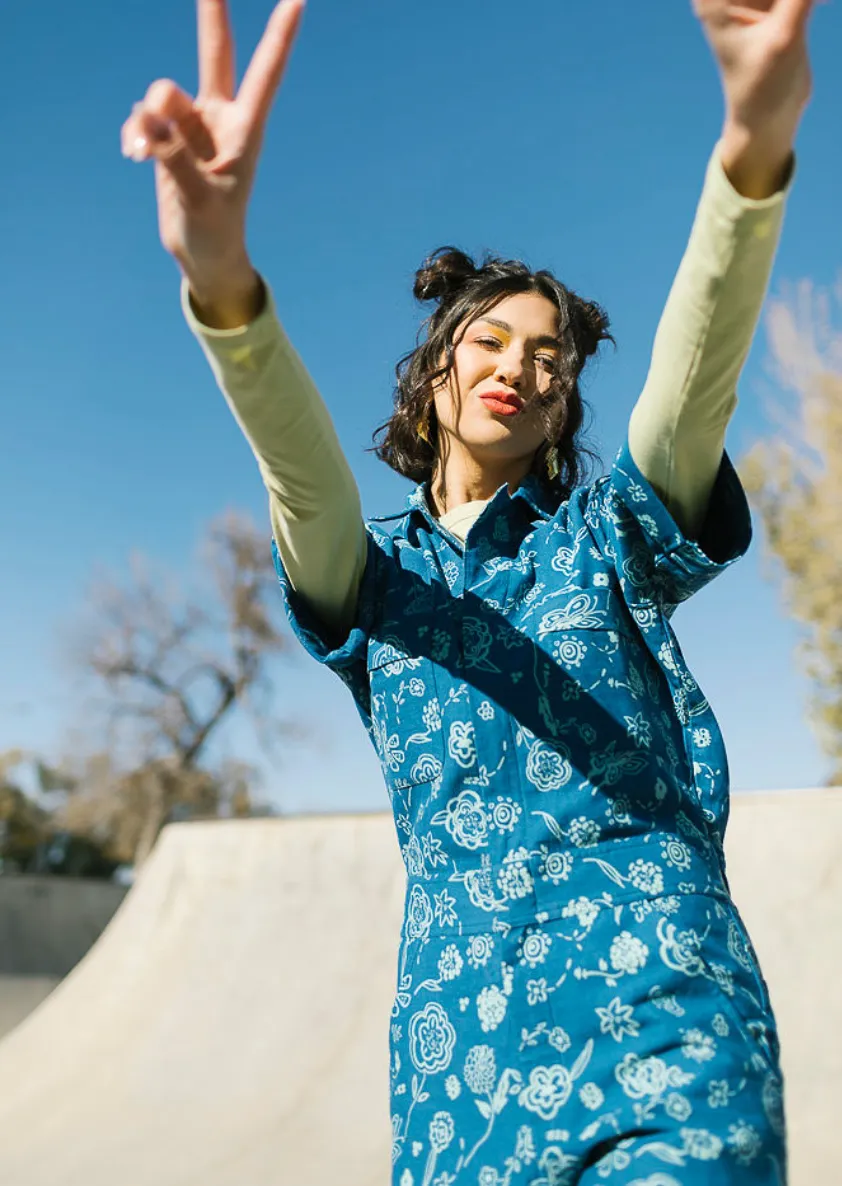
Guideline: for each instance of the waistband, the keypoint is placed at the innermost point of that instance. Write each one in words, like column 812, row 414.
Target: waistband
column 535, row 887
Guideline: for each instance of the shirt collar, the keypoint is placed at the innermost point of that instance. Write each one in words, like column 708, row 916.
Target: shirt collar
column 531, row 490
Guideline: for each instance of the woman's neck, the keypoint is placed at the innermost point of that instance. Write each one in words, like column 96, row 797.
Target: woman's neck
column 453, row 486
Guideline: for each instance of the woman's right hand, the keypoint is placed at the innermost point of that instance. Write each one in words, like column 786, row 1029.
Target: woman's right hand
column 206, row 150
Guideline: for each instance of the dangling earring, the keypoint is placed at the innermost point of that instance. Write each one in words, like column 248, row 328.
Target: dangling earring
column 421, row 429
column 552, row 463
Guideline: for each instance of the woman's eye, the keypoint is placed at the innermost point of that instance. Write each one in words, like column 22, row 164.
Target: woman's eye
column 488, row 342
column 547, row 360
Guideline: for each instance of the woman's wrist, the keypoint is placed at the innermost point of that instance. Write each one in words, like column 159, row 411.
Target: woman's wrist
column 757, row 165
column 229, row 298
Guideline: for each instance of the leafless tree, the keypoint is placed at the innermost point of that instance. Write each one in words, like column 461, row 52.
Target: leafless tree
column 171, row 671
column 794, row 482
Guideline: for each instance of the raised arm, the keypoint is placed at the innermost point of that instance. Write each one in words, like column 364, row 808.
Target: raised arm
column 205, row 152
column 677, row 428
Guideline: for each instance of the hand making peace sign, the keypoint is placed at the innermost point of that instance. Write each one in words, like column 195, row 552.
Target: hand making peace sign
column 206, row 149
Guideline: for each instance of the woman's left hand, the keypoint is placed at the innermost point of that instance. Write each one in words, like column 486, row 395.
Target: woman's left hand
column 761, row 49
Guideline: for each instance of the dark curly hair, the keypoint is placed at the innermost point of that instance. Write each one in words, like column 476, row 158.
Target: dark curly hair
column 463, row 292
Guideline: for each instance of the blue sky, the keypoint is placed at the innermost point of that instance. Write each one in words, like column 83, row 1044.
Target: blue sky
column 574, row 136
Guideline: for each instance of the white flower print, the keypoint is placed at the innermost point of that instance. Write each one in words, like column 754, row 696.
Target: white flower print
column 720, row 1025
column 617, row 1020
column 491, row 1007
column 453, row 1087
column 450, row 962
column 514, row 878
column 533, row 950
column 584, row 832
column 601, row 580
column 536, row 991
column 486, row 711
column 419, row 914
column 677, row 1106
column 718, row 1093
column 666, row 658
column 450, row 569
column 504, row 814
column 426, row 769
column 488, row 1176
column 583, row 909
column 676, row 854
column 646, row 876
column 698, row 1046
column 701, row 1144
column 444, row 909
column 389, row 747
column 441, row 1131
column 479, row 950
column 391, row 660
column 548, row 768
column 680, row 950
column 554, row 866
column 559, row 1039
column 591, row 1096
column 702, row 738
column 407, row 1178
column 466, row 820
column 639, row 729
column 547, row 1091
column 569, row 652
column 628, row 953
column 431, row 1039
column 745, row 1141
column 431, row 716
column 417, row 687
column 640, row 1077
column 724, row 977
column 461, row 745
column 480, row 1073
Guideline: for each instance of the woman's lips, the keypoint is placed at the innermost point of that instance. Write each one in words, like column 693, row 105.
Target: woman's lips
column 498, row 406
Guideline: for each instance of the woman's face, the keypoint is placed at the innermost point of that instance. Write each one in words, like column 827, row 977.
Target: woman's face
column 510, row 352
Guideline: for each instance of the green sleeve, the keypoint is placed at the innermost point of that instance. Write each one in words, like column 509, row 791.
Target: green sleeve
column 677, row 427
column 314, row 503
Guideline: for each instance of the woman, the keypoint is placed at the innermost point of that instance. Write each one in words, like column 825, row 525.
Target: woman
column 577, row 998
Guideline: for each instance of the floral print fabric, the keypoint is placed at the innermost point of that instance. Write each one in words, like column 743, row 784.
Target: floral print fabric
column 577, row 999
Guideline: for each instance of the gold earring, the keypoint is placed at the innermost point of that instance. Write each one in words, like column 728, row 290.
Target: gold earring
column 552, row 463
column 421, row 429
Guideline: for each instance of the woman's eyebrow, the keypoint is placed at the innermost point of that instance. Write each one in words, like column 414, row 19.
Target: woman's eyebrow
column 544, row 340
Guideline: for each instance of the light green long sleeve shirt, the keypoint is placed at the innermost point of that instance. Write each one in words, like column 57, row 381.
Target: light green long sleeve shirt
column 676, row 431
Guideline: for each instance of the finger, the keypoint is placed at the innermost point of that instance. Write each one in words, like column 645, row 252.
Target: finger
column 169, row 102
column 267, row 66
column 216, row 50
column 168, row 148
column 794, row 14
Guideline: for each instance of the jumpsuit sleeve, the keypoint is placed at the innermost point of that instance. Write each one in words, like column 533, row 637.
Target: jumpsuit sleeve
column 677, row 428
column 654, row 559
column 314, row 504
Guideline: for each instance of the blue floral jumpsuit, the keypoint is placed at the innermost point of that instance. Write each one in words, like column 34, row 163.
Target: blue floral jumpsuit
column 577, row 998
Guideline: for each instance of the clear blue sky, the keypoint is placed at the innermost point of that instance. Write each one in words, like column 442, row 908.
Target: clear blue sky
column 574, row 136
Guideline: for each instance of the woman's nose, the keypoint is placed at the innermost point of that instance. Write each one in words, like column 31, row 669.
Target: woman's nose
column 510, row 367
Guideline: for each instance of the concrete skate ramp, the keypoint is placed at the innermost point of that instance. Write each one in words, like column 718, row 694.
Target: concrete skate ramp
column 230, row 1027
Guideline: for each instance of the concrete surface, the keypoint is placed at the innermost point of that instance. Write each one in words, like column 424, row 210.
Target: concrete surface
column 230, row 1027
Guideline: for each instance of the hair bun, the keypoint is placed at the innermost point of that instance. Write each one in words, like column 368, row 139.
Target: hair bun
column 442, row 274
column 590, row 325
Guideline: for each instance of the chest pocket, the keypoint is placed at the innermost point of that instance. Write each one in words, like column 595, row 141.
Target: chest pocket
column 584, row 629
column 406, row 712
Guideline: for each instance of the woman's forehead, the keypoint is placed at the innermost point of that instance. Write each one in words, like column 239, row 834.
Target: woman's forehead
column 526, row 313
